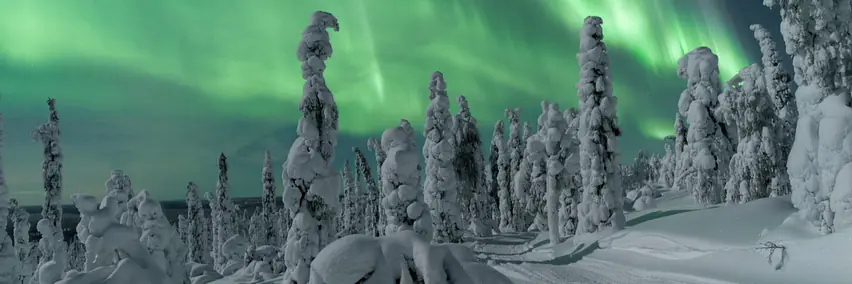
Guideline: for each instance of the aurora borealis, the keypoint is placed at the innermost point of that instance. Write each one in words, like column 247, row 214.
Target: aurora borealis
column 159, row 87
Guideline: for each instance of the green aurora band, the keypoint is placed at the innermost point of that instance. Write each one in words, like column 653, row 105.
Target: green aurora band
column 496, row 54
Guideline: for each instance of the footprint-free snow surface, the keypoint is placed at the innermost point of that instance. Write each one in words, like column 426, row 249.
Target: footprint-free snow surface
column 678, row 242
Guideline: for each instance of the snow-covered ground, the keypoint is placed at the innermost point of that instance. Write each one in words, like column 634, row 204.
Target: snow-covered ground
column 677, row 242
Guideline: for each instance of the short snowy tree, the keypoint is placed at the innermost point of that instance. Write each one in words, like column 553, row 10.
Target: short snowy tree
column 311, row 186
column 707, row 143
column 667, row 166
column 752, row 167
column 9, row 263
column 601, row 206
column 495, row 168
column 162, row 240
column 372, row 200
column 222, row 213
column 441, row 184
column 784, row 103
column 197, row 230
column 24, row 249
column 682, row 160
column 48, row 135
column 352, row 212
column 404, row 199
column 119, row 186
column 375, row 145
column 515, row 151
column 268, row 229
column 469, row 164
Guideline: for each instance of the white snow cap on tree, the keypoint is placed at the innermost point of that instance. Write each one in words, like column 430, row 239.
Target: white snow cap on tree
column 601, row 206
column 403, row 201
column 439, row 150
column 310, row 185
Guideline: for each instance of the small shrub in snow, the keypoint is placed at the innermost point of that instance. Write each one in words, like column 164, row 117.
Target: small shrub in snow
column 776, row 260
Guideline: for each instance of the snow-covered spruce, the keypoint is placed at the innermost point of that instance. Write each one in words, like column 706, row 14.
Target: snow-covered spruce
column 682, row 160
column 310, row 184
column 441, row 185
column 752, row 167
column 375, row 145
column 784, row 102
column 9, row 263
column 24, row 249
column 667, row 167
column 529, row 182
column 198, row 248
column 495, row 169
column 569, row 198
column 268, row 231
column 601, row 206
column 50, row 270
column 162, row 240
column 515, row 151
column 222, row 213
column 469, row 164
column 372, row 200
column 403, row 201
column 561, row 149
column 504, row 177
column 810, row 32
column 708, row 146
column 48, row 135
column 353, row 215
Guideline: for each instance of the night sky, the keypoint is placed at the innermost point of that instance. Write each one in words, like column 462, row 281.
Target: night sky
column 159, row 88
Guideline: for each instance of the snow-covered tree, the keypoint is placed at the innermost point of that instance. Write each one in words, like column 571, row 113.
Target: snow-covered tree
column 162, row 240
column 372, row 200
column 222, row 213
column 311, row 186
column 504, row 177
column 529, row 182
column 515, row 151
column 561, row 147
column 197, row 230
column 9, row 263
column 667, row 167
column 352, row 212
column 470, row 166
column 48, row 135
column 784, row 102
column 24, row 249
column 816, row 35
column 119, row 186
column 375, row 145
column 752, row 167
column 601, row 206
column 494, row 170
column 441, row 185
column 569, row 198
column 182, row 227
column 708, row 145
column 404, row 199
column 268, row 209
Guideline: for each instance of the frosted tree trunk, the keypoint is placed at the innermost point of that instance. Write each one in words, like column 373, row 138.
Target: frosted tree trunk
column 439, row 150
column 48, row 135
column 601, row 206
column 311, row 186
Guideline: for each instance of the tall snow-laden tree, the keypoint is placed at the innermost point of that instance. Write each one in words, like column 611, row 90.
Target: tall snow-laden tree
column 469, row 164
column 310, row 184
column 784, row 103
column 504, row 177
column 9, row 263
column 707, row 144
column 515, row 151
column 268, row 209
column 375, row 145
column 752, row 167
column 439, row 149
column 562, row 163
column 816, row 35
column 601, row 206
column 529, row 182
column 225, row 214
column 372, row 200
column 494, row 169
column 51, row 168
column 24, row 249
column 198, row 248
column 403, row 201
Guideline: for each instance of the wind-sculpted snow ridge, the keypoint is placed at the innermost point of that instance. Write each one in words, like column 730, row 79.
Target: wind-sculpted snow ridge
column 310, row 184
column 403, row 202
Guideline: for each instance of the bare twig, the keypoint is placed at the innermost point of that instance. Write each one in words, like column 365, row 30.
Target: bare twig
column 771, row 247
